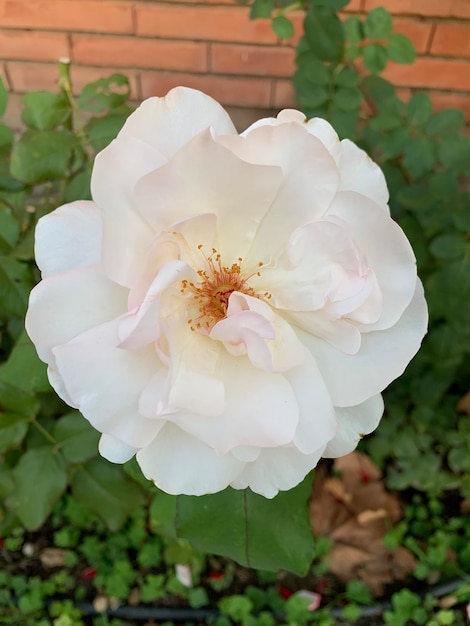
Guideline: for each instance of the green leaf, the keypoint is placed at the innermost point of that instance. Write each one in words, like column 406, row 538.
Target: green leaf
column 3, row 97
column 162, row 514
column 102, row 130
column 353, row 29
column 395, row 142
column 311, row 69
column 233, row 523
column 419, row 110
column 449, row 246
column 401, row 49
column 347, row 77
column 324, row 33
column 447, row 121
column 283, row 27
column 40, row 479
column 375, row 57
column 262, row 9
column 13, row 436
column 14, row 286
column 103, row 488
column 78, row 187
column 454, row 153
column 16, row 404
column 105, row 93
column 42, row 155
column 378, row 24
column 420, row 156
column 334, row 5
column 6, row 139
column 45, row 110
column 348, row 98
column 23, row 368
column 9, row 229
column 78, row 439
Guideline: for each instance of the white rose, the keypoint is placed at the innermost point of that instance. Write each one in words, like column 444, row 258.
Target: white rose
column 228, row 307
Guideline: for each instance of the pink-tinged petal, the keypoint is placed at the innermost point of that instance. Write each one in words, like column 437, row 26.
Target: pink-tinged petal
column 317, row 419
column 338, row 332
column 387, row 251
column 353, row 423
column 125, row 233
column 179, row 463
column 261, row 409
column 68, row 238
column 276, row 469
column 204, row 177
column 106, row 382
column 359, row 173
column 140, row 327
column 251, row 327
column 168, row 123
column 115, row 450
column 68, row 304
column 308, row 186
column 383, row 356
column 181, row 242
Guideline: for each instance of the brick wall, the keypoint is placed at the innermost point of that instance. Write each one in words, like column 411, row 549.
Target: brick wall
column 212, row 45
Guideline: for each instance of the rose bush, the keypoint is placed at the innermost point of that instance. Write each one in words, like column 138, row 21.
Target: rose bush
column 228, row 307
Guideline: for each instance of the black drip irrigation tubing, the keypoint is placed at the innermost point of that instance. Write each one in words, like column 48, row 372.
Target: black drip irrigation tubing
column 187, row 614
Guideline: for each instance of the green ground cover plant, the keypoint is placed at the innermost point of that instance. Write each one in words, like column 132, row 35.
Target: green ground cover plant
column 107, row 520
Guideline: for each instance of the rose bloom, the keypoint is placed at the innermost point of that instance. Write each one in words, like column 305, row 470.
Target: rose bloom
column 228, row 307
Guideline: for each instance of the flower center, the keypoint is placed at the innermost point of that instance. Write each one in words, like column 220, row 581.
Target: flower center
column 211, row 294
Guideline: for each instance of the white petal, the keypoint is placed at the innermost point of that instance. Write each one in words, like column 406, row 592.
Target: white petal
column 354, row 422
column 309, row 183
column 204, row 177
column 276, row 469
column 317, row 420
column 168, row 123
column 180, row 464
column 125, row 234
column 68, row 238
column 65, row 305
column 359, row 173
column 115, row 450
column 105, row 383
column 58, row 385
column 387, row 251
column 261, row 409
column 383, row 356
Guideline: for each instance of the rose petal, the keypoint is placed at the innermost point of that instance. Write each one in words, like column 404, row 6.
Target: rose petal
column 114, row 450
column 107, row 385
column 68, row 238
column 354, row 422
column 179, row 463
column 67, row 304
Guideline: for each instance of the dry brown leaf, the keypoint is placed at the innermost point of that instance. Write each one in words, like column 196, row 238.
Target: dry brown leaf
column 464, row 403
column 355, row 512
column 52, row 557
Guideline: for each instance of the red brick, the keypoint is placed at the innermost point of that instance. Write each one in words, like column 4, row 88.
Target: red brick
column 4, row 77
column 451, row 39
column 81, row 15
column 283, row 95
column 252, row 60
column 454, row 100
column 435, row 8
column 81, row 76
column 136, row 52
column 430, row 73
column 215, row 23
column 227, row 90
column 25, row 77
column 418, row 31
column 33, row 46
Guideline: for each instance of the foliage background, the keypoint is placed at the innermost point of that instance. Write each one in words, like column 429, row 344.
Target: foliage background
column 422, row 443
